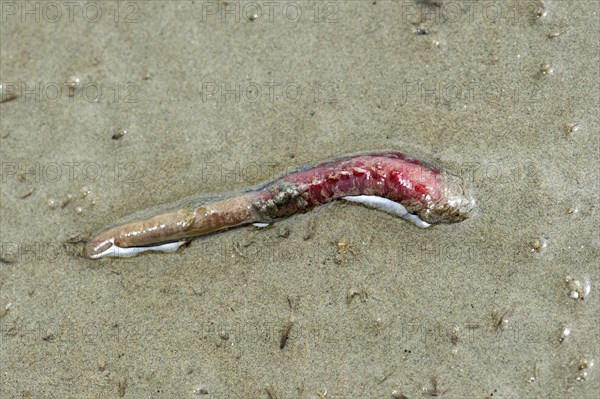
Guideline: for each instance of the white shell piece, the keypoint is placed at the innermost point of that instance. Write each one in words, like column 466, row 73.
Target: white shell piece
column 388, row 206
column 132, row 251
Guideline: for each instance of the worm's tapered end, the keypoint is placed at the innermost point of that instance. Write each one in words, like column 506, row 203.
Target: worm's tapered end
column 100, row 248
column 96, row 248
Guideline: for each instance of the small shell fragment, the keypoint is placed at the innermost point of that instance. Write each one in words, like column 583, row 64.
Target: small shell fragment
column 578, row 288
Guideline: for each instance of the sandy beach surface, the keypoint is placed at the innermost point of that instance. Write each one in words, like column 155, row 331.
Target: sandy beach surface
column 110, row 108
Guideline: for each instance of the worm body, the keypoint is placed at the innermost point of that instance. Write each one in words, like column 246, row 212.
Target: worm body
column 388, row 181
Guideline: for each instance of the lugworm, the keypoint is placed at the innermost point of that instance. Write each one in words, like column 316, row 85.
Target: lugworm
column 389, row 181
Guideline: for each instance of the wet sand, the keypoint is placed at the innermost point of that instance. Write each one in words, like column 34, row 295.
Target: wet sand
column 341, row 302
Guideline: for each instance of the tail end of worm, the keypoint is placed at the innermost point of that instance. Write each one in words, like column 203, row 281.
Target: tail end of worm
column 100, row 248
column 96, row 248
